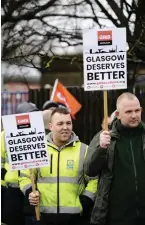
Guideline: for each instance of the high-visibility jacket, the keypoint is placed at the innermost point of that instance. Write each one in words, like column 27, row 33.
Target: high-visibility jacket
column 62, row 182
column 11, row 177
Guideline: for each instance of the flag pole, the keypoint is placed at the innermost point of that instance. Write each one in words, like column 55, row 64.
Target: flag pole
column 54, row 89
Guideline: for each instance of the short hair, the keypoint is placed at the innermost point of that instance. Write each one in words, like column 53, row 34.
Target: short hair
column 126, row 95
column 61, row 110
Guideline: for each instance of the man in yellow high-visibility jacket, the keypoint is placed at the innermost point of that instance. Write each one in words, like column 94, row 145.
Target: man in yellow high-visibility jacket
column 13, row 199
column 63, row 193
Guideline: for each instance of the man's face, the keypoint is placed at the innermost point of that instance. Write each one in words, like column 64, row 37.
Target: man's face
column 61, row 127
column 129, row 112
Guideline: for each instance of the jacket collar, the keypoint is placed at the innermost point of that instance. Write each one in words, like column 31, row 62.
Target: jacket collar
column 114, row 131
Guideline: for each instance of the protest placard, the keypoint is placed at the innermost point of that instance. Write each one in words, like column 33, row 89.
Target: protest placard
column 25, row 140
column 104, row 56
column 105, row 61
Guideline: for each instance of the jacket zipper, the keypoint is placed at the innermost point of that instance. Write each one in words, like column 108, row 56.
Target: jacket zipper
column 135, row 175
column 58, row 182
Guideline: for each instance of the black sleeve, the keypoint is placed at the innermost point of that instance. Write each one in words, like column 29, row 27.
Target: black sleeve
column 28, row 191
column 29, row 210
column 3, row 173
column 87, row 205
column 95, row 159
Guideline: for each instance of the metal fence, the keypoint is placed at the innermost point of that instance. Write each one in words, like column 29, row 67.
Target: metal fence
column 89, row 118
column 9, row 101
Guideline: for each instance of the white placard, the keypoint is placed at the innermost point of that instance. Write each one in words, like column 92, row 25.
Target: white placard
column 104, row 56
column 25, row 140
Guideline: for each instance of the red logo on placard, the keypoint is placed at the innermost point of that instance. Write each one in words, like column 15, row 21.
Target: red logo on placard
column 105, row 37
column 23, row 121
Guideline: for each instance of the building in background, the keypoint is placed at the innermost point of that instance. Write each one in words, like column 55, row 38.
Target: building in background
column 16, row 83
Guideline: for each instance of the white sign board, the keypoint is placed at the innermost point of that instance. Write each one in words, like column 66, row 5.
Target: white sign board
column 25, row 140
column 104, row 56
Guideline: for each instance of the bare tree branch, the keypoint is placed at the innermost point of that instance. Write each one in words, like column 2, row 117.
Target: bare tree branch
column 34, row 28
column 119, row 13
column 27, row 16
column 114, row 21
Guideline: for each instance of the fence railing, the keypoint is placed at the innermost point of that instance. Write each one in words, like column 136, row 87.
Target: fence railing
column 88, row 119
column 10, row 100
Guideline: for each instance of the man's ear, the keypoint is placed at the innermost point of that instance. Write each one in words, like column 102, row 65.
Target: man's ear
column 50, row 126
column 117, row 114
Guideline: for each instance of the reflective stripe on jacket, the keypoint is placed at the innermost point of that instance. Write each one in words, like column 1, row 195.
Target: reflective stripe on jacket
column 61, row 183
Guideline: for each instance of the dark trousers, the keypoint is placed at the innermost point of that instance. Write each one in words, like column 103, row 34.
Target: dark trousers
column 61, row 219
column 13, row 209
column 30, row 220
column 3, row 191
column 132, row 222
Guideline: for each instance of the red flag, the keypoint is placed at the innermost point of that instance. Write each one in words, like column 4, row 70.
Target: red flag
column 61, row 94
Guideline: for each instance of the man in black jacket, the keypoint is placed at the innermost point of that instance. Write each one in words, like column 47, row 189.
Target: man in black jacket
column 118, row 157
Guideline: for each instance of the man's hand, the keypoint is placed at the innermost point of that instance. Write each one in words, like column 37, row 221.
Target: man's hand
column 34, row 198
column 105, row 139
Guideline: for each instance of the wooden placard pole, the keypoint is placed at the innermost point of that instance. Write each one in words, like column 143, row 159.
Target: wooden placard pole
column 105, row 110
column 34, row 189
